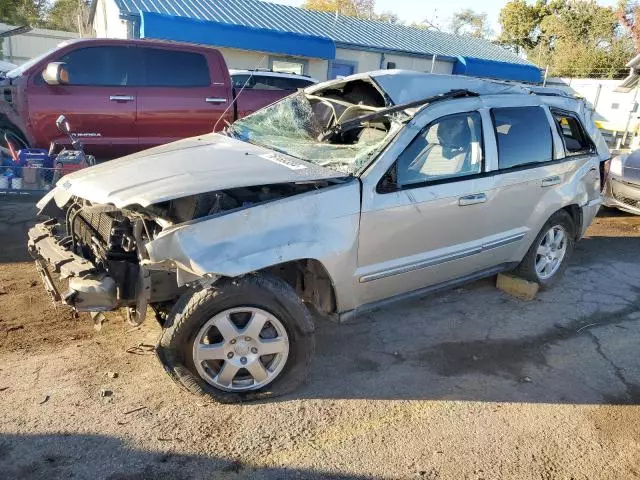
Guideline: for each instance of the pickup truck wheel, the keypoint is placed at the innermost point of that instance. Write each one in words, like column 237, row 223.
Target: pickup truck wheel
column 548, row 256
column 240, row 340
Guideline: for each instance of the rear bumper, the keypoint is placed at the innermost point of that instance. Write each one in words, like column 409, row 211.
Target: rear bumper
column 68, row 277
column 622, row 194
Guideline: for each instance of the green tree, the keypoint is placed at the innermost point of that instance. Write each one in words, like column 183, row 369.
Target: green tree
column 350, row 8
column 22, row 12
column 469, row 22
column 69, row 15
column 573, row 37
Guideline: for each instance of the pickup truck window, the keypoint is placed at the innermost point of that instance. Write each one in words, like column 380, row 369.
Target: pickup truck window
column 172, row 68
column 269, row 82
column 101, row 66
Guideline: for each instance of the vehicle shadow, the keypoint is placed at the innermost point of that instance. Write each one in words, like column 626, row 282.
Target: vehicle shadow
column 575, row 343
column 30, row 457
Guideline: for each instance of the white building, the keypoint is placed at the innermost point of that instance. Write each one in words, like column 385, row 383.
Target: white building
column 257, row 34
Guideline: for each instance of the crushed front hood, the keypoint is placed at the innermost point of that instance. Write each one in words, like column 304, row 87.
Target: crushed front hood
column 195, row 165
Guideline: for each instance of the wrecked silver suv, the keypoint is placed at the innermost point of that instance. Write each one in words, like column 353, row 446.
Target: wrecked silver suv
column 333, row 201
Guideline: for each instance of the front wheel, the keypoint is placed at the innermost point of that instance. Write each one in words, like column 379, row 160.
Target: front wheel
column 243, row 339
column 548, row 257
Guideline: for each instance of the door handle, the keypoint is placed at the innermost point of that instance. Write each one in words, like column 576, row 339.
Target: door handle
column 215, row 100
column 121, row 98
column 550, row 181
column 472, row 199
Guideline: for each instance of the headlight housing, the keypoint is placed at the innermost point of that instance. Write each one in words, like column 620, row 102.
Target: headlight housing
column 616, row 165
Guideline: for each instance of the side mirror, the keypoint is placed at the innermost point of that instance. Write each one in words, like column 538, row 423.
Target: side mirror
column 56, row 73
column 63, row 125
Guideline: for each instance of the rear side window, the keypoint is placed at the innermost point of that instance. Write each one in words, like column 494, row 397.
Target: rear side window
column 267, row 82
column 102, row 66
column 172, row 68
column 573, row 135
column 523, row 135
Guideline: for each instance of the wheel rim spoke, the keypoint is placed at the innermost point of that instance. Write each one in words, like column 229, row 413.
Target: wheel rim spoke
column 226, row 327
column 255, row 325
column 559, row 238
column 542, row 250
column 257, row 371
column 272, row 346
column 206, row 352
column 236, row 363
column 227, row 373
column 542, row 264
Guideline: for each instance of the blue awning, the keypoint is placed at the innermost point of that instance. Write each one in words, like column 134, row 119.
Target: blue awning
column 183, row 29
column 476, row 67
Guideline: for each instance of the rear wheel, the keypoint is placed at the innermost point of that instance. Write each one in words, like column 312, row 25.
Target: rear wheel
column 243, row 339
column 548, row 257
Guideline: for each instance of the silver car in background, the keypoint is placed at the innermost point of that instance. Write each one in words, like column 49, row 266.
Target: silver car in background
column 622, row 183
column 334, row 201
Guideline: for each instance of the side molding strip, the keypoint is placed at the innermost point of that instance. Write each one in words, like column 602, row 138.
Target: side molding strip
column 410, row 267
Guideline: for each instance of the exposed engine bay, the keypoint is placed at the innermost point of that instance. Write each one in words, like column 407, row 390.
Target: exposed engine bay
column 106, row 256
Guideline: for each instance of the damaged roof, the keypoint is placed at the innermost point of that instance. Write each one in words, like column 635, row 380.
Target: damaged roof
column 349, row 32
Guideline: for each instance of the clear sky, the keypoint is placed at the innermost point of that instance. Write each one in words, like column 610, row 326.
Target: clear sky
column 437, row 12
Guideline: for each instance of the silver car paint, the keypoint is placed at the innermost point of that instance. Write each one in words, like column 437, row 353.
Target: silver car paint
column 373, row 245
column 434, row 239
column 397, row 242
column 627, row 185
column 188, row 167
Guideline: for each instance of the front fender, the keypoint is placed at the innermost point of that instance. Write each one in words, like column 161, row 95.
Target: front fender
column 321, row 224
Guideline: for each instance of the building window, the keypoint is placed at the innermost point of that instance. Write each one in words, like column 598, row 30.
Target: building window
column 341, row 68
column 288, row 65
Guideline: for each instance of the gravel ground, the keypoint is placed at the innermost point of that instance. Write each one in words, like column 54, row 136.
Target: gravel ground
column 467, row 384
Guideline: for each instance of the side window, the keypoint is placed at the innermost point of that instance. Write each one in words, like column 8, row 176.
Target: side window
column 450, row 147
column 575, row 139
column 239, row 81
column 523, row 135
column 101, row 66
column 173, row 68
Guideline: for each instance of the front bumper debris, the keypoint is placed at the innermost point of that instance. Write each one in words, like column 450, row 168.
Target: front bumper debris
column 88, row 290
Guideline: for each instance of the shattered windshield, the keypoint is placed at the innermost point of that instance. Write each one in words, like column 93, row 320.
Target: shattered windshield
column 293, row 126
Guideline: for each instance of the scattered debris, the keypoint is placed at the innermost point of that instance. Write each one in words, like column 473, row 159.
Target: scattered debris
column 135, row 410
column 2, row 389
column 105, row 392
column 526, row 380
column 112, row 374
column 15, row 327
column 585, row 326
column 33, row 283
column 98, row 319
column 133, row 329
column 45, row 399
column 142, row 349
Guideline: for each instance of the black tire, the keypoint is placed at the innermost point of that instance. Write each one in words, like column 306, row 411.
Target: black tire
column 263, row 291
column 527, row 267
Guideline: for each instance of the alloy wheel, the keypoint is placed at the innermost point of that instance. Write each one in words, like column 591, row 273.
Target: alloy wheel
column 241, row 349
column 551, row 251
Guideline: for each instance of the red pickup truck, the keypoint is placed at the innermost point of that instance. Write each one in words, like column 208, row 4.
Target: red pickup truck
column 123, row 96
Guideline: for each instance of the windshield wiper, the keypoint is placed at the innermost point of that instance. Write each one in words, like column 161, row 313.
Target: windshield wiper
column 356, row 122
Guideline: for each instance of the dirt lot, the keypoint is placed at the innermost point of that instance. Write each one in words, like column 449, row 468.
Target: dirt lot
column 468, row 384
